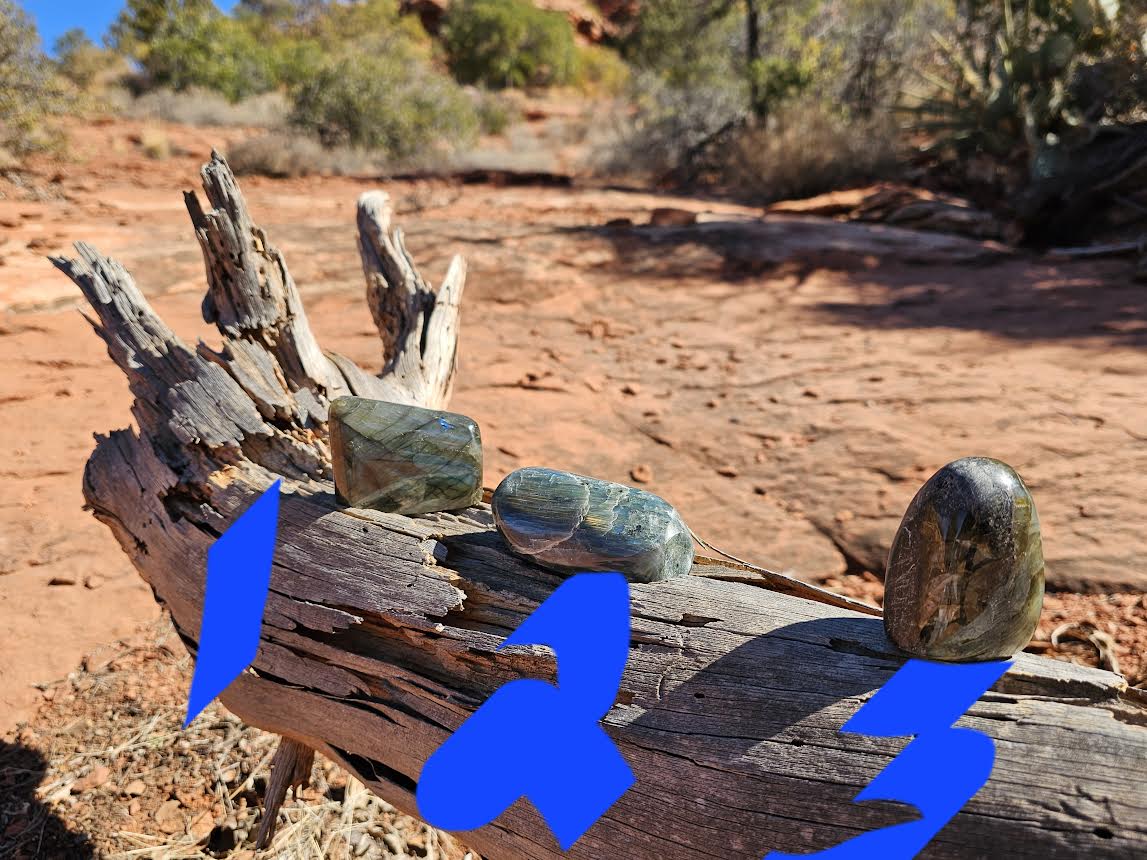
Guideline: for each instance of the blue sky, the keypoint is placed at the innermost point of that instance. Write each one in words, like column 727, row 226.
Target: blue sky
column 54, row 17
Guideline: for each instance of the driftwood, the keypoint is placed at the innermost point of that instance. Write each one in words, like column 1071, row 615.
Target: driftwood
column 381, row 631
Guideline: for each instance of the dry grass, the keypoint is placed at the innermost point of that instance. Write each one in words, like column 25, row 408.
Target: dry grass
column 805, row 150
column 106, row 770
column 549, row 144
column 702, row 136
column 287, row 154
column 201, row 107
column 155, row 143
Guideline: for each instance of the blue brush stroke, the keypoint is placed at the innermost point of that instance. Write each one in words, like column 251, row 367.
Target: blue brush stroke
column 541, row 741
column 238, row 578
column 938, row 772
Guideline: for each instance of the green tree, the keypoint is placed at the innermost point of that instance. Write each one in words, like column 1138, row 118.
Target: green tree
column 190, row 43
column 687, row 43
column 79, row 59
column 766, row 48
column 508, row 43
column 283, row 14
column 342, row 23
column 142, row 21
column 287, row 10
column 378, row 94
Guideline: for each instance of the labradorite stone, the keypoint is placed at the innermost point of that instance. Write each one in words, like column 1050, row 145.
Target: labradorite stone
column 574, row 524
column 965, row 573
column 404, row 459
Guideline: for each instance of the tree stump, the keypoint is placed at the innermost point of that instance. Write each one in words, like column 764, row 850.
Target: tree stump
column 381, row 631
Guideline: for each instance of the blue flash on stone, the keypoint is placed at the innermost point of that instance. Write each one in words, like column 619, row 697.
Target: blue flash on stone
column 238, row 578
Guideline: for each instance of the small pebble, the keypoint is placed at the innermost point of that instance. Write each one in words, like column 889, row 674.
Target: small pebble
column 94, row 778
column 641, row 473
column 168, row 817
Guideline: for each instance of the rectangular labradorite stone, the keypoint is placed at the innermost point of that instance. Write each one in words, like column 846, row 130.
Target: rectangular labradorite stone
column 404, row 459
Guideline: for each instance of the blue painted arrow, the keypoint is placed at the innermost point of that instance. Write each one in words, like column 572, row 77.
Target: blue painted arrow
column 238, row 577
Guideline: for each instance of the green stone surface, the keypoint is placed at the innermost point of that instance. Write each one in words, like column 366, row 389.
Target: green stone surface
column 965, row 576
column 574, row 524
column 404, row 459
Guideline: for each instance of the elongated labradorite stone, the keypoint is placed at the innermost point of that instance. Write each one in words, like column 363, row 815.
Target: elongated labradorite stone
column 404, row 459
column 574, row 524
column 965, row 573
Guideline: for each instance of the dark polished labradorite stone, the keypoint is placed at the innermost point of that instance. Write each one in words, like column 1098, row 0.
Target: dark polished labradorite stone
column 404, row 459
column 965, row 575
column 574, row 524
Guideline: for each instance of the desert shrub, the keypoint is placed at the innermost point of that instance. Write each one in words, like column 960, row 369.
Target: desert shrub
column 668, row 123
column 877, row 48
column 381, row 98
column 155, row 144
column 342, row 22
column 267, row 44
column 142, row 21
column 803, row 148
column 29, row 89
column 687, row 43
column 287, row 154
column 80, row 60
column 207, row 49
column 804, row 151
column 1029, row 82
column 706, row 71
column 282, row 12
column 186, row 44
column 494, row 112
column 601, row 71
column 508, row 43
column 722, row 86
column 854, row 53
column 197, row 106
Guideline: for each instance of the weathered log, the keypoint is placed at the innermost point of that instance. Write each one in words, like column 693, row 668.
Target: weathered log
column 381, row 631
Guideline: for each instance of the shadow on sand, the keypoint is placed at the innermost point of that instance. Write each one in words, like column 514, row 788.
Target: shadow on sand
column 29, row 828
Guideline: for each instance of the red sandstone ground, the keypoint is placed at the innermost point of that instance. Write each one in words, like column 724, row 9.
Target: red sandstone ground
column 787, row 383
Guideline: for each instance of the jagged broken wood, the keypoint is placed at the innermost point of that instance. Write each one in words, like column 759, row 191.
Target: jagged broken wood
column 290, row 768
column 381, row 631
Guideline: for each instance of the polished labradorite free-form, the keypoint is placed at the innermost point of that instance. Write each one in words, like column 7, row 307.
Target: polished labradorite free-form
column 404, row 459
column 965, row 575
column 574, row 524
